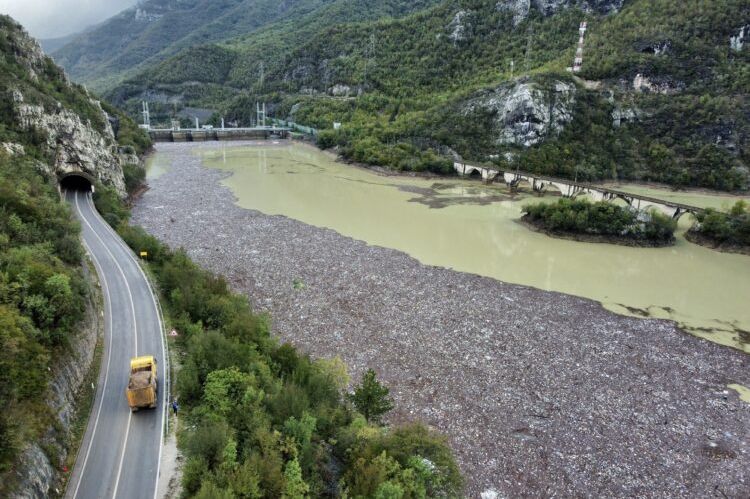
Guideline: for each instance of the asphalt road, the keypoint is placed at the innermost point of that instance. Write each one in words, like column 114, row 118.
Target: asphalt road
column 120, row 451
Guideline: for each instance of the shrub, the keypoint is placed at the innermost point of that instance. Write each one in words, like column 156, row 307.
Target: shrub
column 580, row 216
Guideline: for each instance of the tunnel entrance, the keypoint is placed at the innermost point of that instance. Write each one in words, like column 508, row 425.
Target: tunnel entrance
column 75, row 182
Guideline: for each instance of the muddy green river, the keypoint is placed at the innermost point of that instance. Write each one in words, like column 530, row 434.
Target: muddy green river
column 470, row 227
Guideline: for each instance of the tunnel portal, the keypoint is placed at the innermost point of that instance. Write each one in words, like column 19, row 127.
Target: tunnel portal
column 76, row 182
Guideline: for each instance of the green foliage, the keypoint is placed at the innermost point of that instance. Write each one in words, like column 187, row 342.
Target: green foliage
column 135, row 176
column 408, row 460
column 295, row 486
column 131, row 138
column 42, row 296
column 580, row 216
column 371, row 398
column 730, row 229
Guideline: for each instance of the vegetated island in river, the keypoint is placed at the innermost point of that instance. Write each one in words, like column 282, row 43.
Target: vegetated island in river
column 600, row 222
column 728, row 232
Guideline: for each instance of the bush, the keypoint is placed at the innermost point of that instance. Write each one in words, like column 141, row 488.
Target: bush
column 731, row 228
column 580, row 216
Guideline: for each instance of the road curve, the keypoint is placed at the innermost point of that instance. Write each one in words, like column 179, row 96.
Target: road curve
column 120, row 452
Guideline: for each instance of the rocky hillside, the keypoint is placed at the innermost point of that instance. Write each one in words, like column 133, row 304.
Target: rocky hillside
column 662, row 94
column 156, row 29
column 48, row 305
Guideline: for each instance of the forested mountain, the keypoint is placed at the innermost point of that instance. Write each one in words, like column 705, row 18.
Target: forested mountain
column 155, row 29
column 662, row 94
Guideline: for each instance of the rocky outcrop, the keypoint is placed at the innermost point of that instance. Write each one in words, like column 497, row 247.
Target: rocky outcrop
column 624, row 115
column 520, row 8
column 737, row 42
column 525, row 113
column 142, row 15
column 341, row 90
column 13, row 149
column 75, row 143
column 657, row 85
column 457, row 29
column 77, row 147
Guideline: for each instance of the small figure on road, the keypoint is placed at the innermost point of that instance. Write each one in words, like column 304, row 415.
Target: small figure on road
column 175, row 406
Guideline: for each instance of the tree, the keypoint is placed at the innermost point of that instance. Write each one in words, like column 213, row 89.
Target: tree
column 371, row 398
column 295, row 487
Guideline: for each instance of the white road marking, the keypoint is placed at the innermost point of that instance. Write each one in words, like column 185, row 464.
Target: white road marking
column 106, row 372
column 164, row 357
column 135, row 337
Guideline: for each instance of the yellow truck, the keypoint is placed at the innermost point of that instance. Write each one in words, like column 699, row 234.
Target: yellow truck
column 141, row 390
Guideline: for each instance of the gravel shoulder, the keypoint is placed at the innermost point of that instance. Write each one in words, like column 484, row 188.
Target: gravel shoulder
column 540, row 393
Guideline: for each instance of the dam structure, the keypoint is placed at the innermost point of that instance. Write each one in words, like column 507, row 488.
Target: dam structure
column 204, row 134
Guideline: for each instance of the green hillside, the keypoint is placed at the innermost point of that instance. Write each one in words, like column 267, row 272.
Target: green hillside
column 156, row 29
column 662, row 95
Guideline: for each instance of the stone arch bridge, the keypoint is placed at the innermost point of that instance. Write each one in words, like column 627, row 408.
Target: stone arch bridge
column 571, row 189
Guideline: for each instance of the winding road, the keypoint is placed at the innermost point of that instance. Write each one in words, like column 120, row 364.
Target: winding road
column 120, row 452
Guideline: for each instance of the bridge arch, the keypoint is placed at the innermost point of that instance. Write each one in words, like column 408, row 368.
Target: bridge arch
column 76, row 181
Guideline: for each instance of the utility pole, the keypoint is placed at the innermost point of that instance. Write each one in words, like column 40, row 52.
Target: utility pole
column 146, row 116
column 260, row 113
column 529, row 37
column 369, row 55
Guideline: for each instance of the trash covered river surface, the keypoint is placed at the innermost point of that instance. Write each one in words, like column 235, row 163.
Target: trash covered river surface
column 471, row 227
column 539, row 392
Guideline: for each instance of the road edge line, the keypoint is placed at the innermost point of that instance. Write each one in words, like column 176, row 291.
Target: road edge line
column 164, row 342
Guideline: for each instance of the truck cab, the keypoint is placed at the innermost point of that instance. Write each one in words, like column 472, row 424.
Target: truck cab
column 142, row 388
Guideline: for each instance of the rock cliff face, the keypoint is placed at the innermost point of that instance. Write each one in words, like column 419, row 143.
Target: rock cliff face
column 521, row 8
column 77, row 147
column 525, row 113
column 75, row 143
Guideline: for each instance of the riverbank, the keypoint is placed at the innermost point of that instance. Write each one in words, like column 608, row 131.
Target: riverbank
column 539, row 392
column 696, row 237
column 592, row 238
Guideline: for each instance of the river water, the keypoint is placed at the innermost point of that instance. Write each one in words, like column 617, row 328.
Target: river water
column 471, row 227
